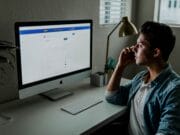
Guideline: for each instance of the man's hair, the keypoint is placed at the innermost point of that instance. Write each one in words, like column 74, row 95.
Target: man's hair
column 159, row 36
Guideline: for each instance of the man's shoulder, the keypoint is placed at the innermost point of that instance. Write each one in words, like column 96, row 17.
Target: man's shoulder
column 171, row 83
column 174, row 78
column 140, row 75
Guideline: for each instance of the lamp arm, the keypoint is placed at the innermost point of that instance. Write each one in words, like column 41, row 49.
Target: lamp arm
column 107, row 45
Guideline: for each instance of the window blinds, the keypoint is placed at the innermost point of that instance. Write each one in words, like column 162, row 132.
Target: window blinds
column 111, row 11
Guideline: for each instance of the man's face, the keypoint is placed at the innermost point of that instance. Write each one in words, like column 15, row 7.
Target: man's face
column 143, row 53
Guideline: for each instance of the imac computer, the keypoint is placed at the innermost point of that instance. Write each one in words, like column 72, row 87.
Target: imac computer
column 52, row 54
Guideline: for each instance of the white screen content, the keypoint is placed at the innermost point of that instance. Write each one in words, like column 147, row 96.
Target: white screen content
column 53, row 50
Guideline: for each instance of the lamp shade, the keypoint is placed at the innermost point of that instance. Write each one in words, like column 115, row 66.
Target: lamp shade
column 126, row 28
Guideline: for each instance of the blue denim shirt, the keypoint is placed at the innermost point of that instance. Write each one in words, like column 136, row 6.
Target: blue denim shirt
column 162, row 104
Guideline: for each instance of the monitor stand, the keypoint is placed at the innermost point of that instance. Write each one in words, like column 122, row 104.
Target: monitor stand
column 56, row 94
column 4, row 119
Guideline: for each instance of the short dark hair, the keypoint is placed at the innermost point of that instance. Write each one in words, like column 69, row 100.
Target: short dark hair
column 159, row 36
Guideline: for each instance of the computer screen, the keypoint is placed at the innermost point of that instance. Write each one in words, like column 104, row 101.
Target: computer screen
column 51, row 54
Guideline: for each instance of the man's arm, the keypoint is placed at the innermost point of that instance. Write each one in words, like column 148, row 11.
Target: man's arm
column 170, row 115
column 115, row 79
column 126, row 57
column 116, row 94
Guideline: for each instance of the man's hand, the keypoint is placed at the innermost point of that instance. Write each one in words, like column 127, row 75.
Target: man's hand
column 126, row 57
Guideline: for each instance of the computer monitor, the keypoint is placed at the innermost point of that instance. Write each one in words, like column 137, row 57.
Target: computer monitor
column 52, row 54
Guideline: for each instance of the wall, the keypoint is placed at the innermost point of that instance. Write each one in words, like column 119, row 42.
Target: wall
column 12, row 11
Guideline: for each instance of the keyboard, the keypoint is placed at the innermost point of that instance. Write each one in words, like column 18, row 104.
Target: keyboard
column 80, row 106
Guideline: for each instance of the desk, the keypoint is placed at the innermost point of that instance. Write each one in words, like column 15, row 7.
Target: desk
column 40, row 116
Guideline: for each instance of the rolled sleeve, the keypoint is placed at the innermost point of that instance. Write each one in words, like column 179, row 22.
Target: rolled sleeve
column 122, row 95
column 159, row 134
column 110, row 93
column 119, row 96
column 110, row 96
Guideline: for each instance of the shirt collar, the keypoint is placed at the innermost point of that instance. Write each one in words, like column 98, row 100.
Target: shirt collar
column 163, row 74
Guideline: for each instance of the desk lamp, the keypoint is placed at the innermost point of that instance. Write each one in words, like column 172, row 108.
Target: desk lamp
column 126, row 28
column 4, row 45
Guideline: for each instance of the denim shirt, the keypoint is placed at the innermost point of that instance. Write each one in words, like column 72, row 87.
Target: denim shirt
column 162, row 104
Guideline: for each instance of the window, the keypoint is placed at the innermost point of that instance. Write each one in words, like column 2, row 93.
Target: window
column 111, row 11
column 168, row 11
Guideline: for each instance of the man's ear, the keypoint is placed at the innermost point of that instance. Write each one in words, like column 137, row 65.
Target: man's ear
column 157, row 52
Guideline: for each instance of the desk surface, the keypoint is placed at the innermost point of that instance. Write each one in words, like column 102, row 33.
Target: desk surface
column 40, row 116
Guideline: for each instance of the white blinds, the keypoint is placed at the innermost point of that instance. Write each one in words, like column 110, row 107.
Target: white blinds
column 111, row 11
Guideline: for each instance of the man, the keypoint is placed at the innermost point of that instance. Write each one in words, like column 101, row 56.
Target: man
column 153, row 95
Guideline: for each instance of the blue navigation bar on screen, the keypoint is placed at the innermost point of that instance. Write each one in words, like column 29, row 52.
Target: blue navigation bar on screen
column 34, row 31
